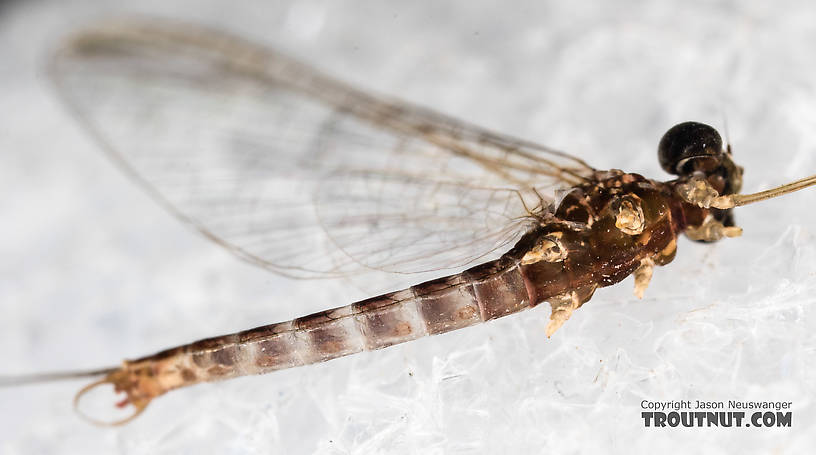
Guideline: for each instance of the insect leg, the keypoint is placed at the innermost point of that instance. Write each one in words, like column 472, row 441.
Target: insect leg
column 563, row 305
column 698, row 191
column 712, row 230
column 643, row 275
column 562, row 308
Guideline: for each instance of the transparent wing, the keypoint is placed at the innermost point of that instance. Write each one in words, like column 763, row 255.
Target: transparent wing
column 292, row 170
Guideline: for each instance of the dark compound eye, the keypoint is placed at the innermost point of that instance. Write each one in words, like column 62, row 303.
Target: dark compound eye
column 689, row 146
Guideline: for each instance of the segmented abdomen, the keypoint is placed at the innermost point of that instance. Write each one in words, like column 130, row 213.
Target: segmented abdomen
column 549, row 264
column 485, row 292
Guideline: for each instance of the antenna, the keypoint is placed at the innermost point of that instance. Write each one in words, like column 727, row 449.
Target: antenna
column 736, row 200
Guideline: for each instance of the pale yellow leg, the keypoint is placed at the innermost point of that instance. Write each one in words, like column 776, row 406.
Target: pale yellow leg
column 699, row 192
column 712, row 230
column 562, row 308
column 643, row 275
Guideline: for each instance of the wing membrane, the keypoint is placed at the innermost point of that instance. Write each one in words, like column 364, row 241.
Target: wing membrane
column 295, row 171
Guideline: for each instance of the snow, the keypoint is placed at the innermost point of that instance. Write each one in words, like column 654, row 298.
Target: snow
column 93, row 271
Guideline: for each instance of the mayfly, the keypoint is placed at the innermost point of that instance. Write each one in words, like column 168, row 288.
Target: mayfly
column 309, row 177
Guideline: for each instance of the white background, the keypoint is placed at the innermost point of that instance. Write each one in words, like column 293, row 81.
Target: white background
column 92, row 271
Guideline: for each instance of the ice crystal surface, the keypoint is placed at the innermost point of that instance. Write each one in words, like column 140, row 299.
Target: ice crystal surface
column 93, row 271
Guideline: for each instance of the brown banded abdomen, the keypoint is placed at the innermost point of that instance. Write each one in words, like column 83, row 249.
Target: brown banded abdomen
column 481, row 293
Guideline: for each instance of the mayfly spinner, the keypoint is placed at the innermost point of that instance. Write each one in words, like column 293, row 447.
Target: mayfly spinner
column 309, row 177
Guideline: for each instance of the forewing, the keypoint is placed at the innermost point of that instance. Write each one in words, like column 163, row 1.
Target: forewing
column 292, row 170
